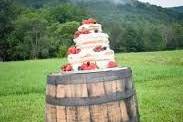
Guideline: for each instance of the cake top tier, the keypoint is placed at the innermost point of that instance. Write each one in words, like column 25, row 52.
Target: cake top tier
column 88, row 26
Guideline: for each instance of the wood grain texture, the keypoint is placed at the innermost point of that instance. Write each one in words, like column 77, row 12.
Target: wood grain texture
column 61, row 114
column 123, row 109
column 83, row 111
column 71, row 114
column 104, row 91
column 99, row 113
column 51, row 113
column 113, row 111
column 83, row 114
column 96, row 89
column 51, row 90
column 60, row 91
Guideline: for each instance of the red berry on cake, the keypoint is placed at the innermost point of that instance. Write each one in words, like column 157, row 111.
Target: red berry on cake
column 73, row 50
column 98, row 49
column 85, row 22
column 88, row 66
column 112, row 64
column 67, row 68
column 83, row 67
column 89, row 21
column 92, row 21
column 93, row 66
column 84, row 31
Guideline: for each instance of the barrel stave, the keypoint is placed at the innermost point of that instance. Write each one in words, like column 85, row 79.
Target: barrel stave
column 98, row 113
column 61, row 114
column 83, row 114
column 51, row 113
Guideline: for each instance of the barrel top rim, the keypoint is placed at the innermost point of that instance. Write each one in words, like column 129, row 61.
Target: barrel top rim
column 91, row 71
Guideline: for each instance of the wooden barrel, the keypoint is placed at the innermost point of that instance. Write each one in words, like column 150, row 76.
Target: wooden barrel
column 103, row 96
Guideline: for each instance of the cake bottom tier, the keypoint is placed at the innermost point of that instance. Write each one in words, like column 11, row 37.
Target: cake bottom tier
column 101, row 64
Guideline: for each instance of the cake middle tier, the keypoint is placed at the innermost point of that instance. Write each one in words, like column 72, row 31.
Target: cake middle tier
column 91, row 37
column 91, row 56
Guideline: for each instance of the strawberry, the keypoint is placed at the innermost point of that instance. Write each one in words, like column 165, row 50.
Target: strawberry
column 112, row 64
column 83, row 66
column 71, row 50
column 77, row 33
column 91, row 21
column 86, row 22
column 67, row 68
column 85, row 31
column 88, row 66
column 98, row 48
column 93, row 66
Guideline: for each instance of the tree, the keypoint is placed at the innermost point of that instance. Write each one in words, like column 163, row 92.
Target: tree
column 168, row 36
column 8, row 13
column 178, row 30
column 64, row 13
column 31, row 33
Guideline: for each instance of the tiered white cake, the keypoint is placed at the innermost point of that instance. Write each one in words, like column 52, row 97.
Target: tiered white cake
column 92, row 45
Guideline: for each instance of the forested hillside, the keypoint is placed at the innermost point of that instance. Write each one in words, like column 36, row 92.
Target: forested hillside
column 178, row 9
column 32, row 29
column 136, row 26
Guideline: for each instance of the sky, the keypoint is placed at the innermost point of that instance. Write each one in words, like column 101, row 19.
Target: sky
column 165, row 3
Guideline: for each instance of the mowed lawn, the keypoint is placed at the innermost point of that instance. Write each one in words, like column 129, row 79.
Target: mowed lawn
column 158, row 77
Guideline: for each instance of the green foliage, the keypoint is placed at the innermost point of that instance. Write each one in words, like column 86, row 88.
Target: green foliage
column 67, row 29
column 38, row 33
column 8, row 14
column 45, row 28
column 32, row 35
column 62, row 51
column 65, row 13
column 178, row 9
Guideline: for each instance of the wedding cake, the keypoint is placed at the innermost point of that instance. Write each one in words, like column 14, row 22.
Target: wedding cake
column 91, row 50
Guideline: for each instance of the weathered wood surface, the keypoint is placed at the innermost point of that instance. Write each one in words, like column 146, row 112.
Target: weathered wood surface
column 105, row 96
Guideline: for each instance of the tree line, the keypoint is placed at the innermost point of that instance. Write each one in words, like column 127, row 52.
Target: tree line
column 31, row 33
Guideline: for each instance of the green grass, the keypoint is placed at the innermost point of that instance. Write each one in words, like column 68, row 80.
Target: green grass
column 158, row 78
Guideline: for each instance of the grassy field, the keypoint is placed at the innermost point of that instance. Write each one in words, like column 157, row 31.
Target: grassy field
column 158, row 78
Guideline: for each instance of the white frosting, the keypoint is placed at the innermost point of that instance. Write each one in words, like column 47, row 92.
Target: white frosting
column 91, row 27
